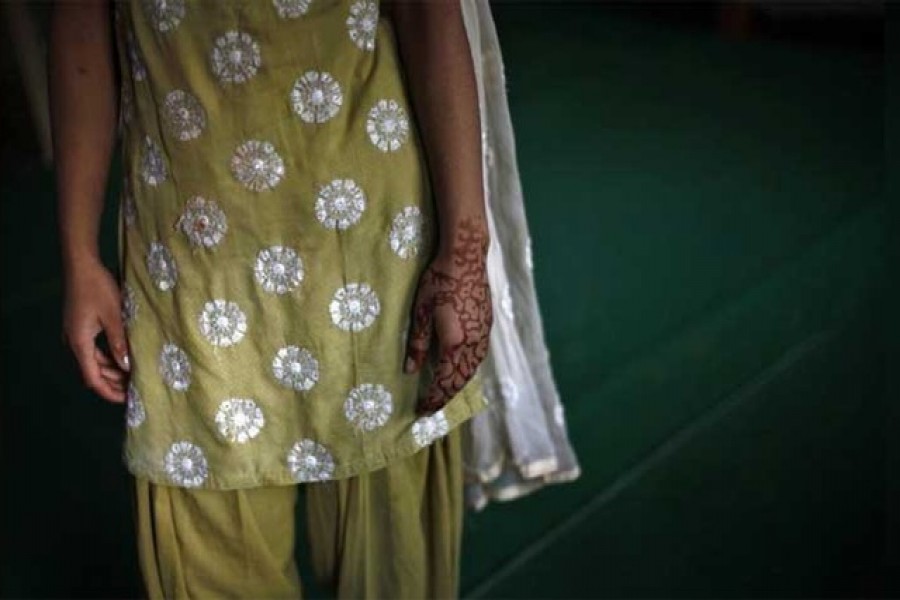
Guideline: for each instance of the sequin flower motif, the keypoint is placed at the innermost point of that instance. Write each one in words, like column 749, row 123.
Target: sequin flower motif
column 239, row 420
column 296, row 368
column 354, row 307
column 428, row 428
column 309, row 460
column 340, row 204
column 174, row 367
column 235, row 57
column 134, row 407
column 135, row 59
column 183, row 116
column 278, row 269
column 222, row 322
column 129, row 208
column 291, row 9
column 161, row 266
column 153, row 166
column 387, row 125
column 186, row 464
column 316, row 96
column 368, row 406
column 203, row 222
column 257, row 165
column 164, row 14
column 362, row 24
column 129, row 305
column 406, row 232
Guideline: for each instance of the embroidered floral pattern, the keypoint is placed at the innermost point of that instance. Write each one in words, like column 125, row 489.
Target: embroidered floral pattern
column 291, row 9
column 235, row 57
column 135, row 60
column 222, row 322
column 278, row 269
column 183, row 116
column 161, row 265
column 153, row 166
column 295, row 368
column 340, row 204
column 186, row 465
column 164, row 14
column 239, row 420
column 387, row 125
column 559, row 416
column 509, row 391
column 354, row 307
column 362, row 24
column 406, row 232
column 129, row 208
column 175, row 367
column 256, row 165
column 368, row 406
column 203, row 222
column 316, row 96
column 126, row 109
column 129, row 305
column 427, row 429
column 134, row 407
column 309, row 460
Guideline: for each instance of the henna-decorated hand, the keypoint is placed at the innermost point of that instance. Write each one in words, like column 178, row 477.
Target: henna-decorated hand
column 454, row 301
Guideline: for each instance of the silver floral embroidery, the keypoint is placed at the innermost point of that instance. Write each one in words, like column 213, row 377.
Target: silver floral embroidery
column 340, row 204
column 368, row 406
column 134, row 407
column 354, row 307
column 129, row 304
column 558, row 415
column 387, row 125
column 235, row 57
column 291, row 9
column 222, row 322
column 362, row 24
column 309, row 460
column 175, row 367
column 135, row 60
column 428, row 428
column 153, row 166
column 186, row 465
column 165, row 14
column 509, row 391
column 239, row 420
column 161, row 265
column 129, row 208
column 316, row 96
column 278, row 269
column 183, row 115
column 203, row 222
column 506, row 302
column 295, row 368
column 406, row 232
column 126, row 110
column 256, row 165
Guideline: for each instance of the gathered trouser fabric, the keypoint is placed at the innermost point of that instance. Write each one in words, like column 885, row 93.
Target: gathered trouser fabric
column 395, row 532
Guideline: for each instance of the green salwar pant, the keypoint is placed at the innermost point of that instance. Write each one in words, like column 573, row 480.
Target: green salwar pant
column 395, row 532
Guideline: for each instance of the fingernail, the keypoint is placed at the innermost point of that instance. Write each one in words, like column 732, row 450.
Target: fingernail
column 410, row 365
column 126, row 362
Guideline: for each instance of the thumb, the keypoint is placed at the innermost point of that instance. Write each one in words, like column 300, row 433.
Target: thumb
column 114, row 328
column 421, row 331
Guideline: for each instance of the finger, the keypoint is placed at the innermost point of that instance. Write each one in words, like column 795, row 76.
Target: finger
column 90, row 370
column 114, row 328
column 112, row 374
column 421, row 331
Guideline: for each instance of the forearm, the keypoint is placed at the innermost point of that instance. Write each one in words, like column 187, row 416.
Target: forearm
column 83, row 111
column 435, row 52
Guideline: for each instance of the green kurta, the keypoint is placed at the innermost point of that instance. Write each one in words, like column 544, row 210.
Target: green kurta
column 275, row 217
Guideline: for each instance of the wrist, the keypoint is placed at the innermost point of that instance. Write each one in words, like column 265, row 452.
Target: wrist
column 467, row 236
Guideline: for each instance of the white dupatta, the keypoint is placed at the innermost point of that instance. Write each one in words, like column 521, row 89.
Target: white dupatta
column 520, row 442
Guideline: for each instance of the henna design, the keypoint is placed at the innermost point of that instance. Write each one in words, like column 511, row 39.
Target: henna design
column 454, row 299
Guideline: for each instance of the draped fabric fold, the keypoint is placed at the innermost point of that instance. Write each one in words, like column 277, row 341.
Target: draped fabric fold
column 520, row 443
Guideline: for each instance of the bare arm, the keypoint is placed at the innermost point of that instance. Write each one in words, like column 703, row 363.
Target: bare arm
column 83, row 111
column 453, row 300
